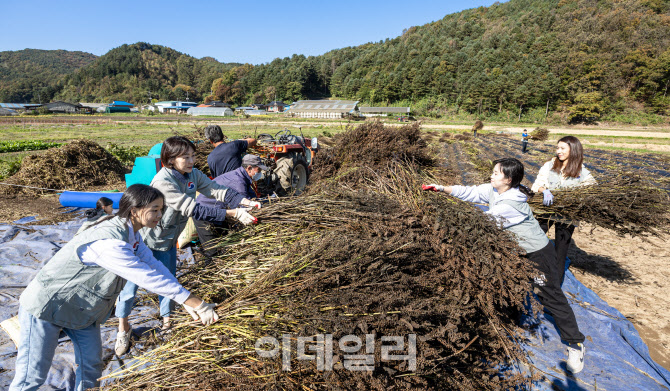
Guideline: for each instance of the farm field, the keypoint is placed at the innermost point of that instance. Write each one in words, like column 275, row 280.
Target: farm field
column 630, row 274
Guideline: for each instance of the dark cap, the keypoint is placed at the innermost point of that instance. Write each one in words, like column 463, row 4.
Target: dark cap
column 253, row 160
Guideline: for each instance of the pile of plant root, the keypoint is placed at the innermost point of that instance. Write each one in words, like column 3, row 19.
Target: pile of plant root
column 539, row 134
column 77, row 165
column 623, row 202
column 360, row 155
column 373, row 257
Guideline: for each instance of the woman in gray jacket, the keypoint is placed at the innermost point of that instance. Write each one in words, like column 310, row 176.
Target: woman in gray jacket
column 75, row 291
column 179, row 182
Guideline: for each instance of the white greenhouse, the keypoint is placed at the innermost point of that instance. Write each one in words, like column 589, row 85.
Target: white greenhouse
column 214, row 111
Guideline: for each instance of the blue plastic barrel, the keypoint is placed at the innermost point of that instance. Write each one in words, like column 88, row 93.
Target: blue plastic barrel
column 85, row 199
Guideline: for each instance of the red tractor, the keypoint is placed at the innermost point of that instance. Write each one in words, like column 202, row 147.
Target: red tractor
column 289, row 158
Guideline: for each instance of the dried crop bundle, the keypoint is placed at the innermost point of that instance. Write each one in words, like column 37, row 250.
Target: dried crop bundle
column 365, row 255
column 77, row 165
column 622, row 202
column 539, row 134
column 354, row 263
column 479, row 125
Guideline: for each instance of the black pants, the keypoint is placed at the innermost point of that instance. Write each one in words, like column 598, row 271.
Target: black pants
column 562, row 237
column 207, row 232
column 524, row 146
column 548, row 289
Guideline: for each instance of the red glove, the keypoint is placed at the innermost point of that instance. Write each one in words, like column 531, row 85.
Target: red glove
column 428, row 187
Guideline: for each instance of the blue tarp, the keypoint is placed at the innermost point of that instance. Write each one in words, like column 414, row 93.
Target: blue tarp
column 616, row 356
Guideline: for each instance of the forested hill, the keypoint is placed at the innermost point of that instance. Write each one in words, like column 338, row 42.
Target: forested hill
column 24, row 72
column 584, row 57
column 135, row 72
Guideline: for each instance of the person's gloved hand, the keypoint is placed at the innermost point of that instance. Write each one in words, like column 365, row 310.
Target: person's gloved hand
column 548, row 199
column 242, row 215
column 432, row 187
column 250, row 203
column 205, row 312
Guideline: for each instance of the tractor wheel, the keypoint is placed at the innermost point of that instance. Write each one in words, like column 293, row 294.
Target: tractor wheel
column 292, row 173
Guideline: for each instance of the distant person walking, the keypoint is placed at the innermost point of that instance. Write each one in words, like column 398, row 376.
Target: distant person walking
column 479, row 125
column 524, row 141
column 226, row 156
column 562, row 172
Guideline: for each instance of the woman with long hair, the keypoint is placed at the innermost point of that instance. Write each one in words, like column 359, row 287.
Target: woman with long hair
column 75, row 291
column 507, row 201
column 566, row 170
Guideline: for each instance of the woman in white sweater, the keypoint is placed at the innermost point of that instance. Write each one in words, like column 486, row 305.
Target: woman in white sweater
column 562, row 172
column 506, row 198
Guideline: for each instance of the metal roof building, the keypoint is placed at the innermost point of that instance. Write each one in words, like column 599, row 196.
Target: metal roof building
column 20, row 106
column 4, row 111
column 382, row 111
column 324, row 108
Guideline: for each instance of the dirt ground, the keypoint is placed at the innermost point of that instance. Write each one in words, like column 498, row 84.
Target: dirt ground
column 632, row 276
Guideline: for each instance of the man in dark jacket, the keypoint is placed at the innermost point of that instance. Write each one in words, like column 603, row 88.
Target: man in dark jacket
column 239, row 180
column 226, row 156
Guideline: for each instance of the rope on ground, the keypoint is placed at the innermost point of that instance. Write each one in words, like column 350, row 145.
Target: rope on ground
column 31, row 187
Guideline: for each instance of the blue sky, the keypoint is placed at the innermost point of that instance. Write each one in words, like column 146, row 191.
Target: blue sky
column 253, row 32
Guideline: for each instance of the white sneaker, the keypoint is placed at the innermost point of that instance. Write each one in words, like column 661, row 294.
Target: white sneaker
column 575, row 361
column 122, row 342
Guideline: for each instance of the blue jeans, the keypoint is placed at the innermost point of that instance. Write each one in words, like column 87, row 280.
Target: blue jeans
column 37, row 346
column 124, row 304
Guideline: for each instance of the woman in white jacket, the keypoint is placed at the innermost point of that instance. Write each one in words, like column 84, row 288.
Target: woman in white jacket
column 562, row 172
column 506, row 198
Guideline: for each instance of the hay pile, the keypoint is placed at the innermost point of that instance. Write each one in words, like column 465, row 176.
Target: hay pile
column 539, row 134
column 77, row 165
column 366, row 253
column 625, row 203
column 479, row 125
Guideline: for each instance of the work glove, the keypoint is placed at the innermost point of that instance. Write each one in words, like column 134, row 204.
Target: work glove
column 432, row 187
column 548, row 199
column 242, row 215
column 205, row 312
column 250, row 203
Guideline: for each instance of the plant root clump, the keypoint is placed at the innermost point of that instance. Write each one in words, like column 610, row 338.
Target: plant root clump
column 539, row 134
column 77, row 165
column 626, row 203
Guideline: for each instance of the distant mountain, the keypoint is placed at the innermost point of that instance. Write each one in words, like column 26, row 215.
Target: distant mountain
column 518, row 58
column 136, row 72
column 24, row 73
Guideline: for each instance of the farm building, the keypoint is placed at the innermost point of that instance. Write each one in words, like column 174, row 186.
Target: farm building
column 178, row 107
column 259, row 106
column 218, row 111
column 276, row 107
column 324, row 108
column 4, row 111
column 120, row 103
column 95, row 107
column 383, row 111
column 65, row 107
column 162, row 105
column 20, row 107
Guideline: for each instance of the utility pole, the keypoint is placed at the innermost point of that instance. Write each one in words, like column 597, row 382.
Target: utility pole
column 187, row 96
